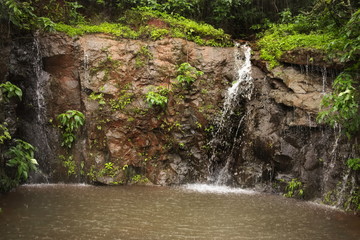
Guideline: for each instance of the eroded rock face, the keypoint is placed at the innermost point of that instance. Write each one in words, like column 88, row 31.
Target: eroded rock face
column 283, row 141
column 108, row 79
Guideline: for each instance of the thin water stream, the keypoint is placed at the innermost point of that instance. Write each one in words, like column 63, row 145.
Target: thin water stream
column 187, row 212
column 228, row 135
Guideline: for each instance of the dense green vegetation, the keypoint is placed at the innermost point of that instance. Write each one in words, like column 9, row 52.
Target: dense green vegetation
column 333, row 28
column 234, row 16
column 18, row 159
column 144, row 23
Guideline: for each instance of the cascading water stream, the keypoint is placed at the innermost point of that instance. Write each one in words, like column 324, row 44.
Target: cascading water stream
column 40, row 133
column 228, row 133
column 41, row 78
column 324, row 79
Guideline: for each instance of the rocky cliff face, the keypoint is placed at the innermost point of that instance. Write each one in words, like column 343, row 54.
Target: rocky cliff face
column 127, row 140
column 283, row 141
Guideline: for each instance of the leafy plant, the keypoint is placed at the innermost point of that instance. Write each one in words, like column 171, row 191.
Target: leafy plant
column 73, row 15
column 109, row 170
column 70, row 121
column 158, row 33
column 107, row 66
column 353, row 163
column 353, row 201
column 280, row 38
column 158, row 97
column 138, row 178
column 4, row 133
column 21, row 157
column 10, row 90
column 69, row 163
column 124, row 99
column 142, row 56
column 341, row 106
column 99, row 97
column 22, row 14
column 187, row 74
column 294, row 188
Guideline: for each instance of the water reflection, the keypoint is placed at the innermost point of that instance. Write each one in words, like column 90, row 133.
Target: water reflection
column 138, row 212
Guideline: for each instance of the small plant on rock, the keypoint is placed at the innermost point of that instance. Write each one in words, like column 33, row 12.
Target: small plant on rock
column 4, row 133
column 158, row 97
column 10, row 90
column 109, row 170
column 187, row 74
column 69, row 163
column 294, row 188
column 70, row 121
column 353, row 163
column 138, row 178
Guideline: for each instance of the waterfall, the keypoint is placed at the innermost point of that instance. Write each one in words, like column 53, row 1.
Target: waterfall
column 324, row 79
column 38, row 132
column 42, row 78
column 228, row 134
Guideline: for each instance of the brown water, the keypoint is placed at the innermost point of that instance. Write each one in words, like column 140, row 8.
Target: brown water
column 190, row 212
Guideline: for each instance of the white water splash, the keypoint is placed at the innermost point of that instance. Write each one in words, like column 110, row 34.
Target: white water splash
column 216, row 189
